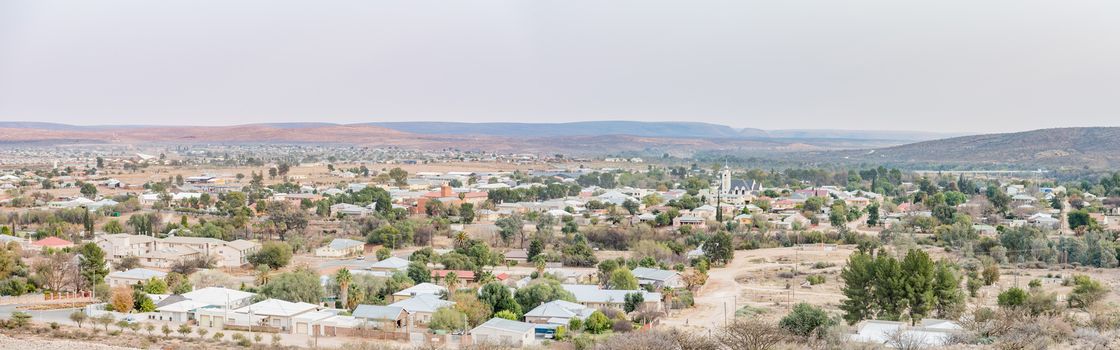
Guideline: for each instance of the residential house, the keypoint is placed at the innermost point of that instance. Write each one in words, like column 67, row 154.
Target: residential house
column 132, row 277
column 52, row 242
column 381, row 317
column 421, row 307
column 689, row 220
column 419, row 289
column 931, row 333
column 558, row 312
column 517, row 256
column 306, row 323
column 346, row 209
column 341, row 247
column 277, row 313
column 594, row 297
column 503, row 332
column 390, row 265
column 181, row 311
column 464, row 276
column 211, row 307
column 658, row 278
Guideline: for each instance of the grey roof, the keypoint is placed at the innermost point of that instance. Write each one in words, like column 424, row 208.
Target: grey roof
column 422, row 303
column 138, row 274
column 10, row 238
column 561, row 309
column 653, row 274
column 391, row 263
column 506, row 325
column 377, row 312
column 587, row 293
column 343, row 243
column 170, row 299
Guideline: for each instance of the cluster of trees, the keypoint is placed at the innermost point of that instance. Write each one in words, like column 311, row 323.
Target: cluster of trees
column 879, row 286
column 533, row 193
column 14, row 274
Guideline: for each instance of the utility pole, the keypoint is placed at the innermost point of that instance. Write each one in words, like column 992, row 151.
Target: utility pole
column 725, row 313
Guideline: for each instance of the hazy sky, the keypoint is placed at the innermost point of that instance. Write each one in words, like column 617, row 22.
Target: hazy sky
column 946, row 65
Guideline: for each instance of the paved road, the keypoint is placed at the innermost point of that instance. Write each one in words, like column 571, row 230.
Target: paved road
column 44, row 316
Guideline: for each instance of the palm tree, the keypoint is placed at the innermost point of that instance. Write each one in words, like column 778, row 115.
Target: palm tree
column 452, row 281
column 461, row 238
column 539, row 264
column 344, row 278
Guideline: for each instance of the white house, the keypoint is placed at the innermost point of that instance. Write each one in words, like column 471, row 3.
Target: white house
column 558, row 312
column 277, row 313
column 421, row 307
column 132, row 277
column 658, row 278
column 340, row 247
column 392, row 264
column 419, row 289
column 504, row 332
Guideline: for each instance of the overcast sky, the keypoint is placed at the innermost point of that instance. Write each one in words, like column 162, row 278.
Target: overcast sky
column 946, row 65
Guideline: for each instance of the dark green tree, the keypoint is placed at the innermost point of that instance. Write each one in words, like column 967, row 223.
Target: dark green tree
column 92, row 265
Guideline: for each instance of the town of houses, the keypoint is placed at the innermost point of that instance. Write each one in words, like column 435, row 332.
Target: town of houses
column 334, row 209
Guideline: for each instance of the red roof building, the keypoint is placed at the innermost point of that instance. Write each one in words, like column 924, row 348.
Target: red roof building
column 53, row 242
column 460, row 274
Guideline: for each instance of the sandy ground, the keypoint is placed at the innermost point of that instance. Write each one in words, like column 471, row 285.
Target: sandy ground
column 750, row 279
column 7, row 342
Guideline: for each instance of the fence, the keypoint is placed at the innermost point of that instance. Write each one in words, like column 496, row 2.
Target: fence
column 45, row 298
column 367, row 333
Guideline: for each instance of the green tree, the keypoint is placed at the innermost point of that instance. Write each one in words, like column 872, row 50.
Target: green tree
column 296, row 286
column 719, row 248
column 466, row 213
column 633, row 301
column 873, row 214
column 1080, row 220
column 947, row 288
column 623, row 279
column 419, row 272
column 344, row 278
column 859, row 294
column 1086, row 292
column 383, row 253
column 78, row 317
column 506, row 314
column 542, row 290
column 499, row 298
column 399, row 176
column 535, row 248
column 142, row 302
column 92, row 264
column 448, row 319
column 920, row 281
column 155, row 286
column 274, row 254
column 88, row 190
column 1012, row 298
column 113, row 226
column 19, row 319
column 805, row 320
column 597, row 323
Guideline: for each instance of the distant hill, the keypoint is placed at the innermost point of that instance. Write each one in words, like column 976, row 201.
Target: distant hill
column 522, row 130
column 1095, row 147
column 896, row 135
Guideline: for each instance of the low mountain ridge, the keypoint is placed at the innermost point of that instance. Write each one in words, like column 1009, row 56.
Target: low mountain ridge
column 1092, row 147
column 591, row 128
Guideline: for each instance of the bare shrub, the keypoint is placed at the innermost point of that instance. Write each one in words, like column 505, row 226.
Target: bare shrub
column 747, row 334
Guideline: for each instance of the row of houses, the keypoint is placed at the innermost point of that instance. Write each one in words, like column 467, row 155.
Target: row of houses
column 165, row 252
